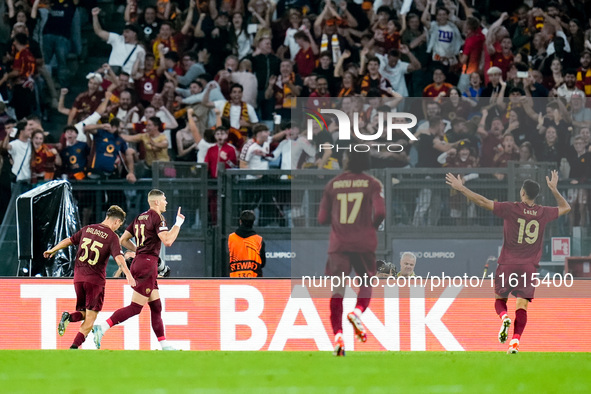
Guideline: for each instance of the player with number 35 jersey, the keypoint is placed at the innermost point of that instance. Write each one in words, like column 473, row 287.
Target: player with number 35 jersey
column 523, row 230
column 96, row 243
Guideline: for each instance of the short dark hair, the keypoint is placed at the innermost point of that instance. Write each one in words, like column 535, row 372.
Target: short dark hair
column 302, row 36
column 116, row 212
column 433, row 120
column 115, row 122
column 21, row 38
column 394, row 53
column 70, row 128
column 358, row 162
column 34, row 118
column 247, row 218
column 531, row 188
column 192, row 55
column 237, row 85
column 472, row 23
column 257, row 128
column 319, row 77
column 570, row 71
column 516, row 89
column 372, row 59
column 384, row 9
column 172, row 55
column 156, row 120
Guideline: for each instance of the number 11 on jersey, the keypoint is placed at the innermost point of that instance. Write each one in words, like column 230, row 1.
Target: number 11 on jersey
column 140, row 234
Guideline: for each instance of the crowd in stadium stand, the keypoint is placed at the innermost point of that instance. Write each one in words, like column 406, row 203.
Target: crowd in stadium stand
column 216, row 80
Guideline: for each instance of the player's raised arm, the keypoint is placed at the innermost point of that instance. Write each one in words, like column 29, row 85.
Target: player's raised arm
column 457, row 184
column 563, row 205
column 125, row 241
column 120, row 260
column 64, row 243
column 168, row 237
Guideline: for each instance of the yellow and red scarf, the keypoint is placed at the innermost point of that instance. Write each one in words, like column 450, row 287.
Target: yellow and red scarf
column 237, row 136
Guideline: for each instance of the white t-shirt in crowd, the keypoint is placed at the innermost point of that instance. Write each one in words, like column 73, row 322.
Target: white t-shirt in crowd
column 121, row 51
column 235, row 112
column 202, row 148
column 256, row 162
column 291, row 43
column 21, row 155
column 394, row 74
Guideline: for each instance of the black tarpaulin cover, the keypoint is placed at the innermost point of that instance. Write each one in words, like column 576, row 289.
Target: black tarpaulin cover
column 46, row 215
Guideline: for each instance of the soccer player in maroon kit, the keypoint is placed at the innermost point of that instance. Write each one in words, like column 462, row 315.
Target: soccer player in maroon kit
column 523, row 237
column 95, row 244
column 149, row 230
column 353, row 203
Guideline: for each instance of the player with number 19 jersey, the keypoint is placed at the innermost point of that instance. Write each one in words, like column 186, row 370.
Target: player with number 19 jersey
column 523, row 231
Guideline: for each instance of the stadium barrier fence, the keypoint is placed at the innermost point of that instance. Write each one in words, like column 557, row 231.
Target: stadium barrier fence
column 421, row 208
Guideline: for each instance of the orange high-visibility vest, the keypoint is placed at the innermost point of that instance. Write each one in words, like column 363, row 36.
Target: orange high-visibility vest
column 245, row 256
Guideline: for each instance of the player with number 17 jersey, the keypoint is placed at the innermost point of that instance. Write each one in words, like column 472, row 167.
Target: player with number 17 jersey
column 353, row 204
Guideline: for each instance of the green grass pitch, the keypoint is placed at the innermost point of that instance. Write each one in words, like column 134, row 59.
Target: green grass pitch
column 65, row 371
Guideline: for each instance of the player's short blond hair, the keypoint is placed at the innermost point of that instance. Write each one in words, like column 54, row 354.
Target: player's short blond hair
column 154, row 194
column 116, row 212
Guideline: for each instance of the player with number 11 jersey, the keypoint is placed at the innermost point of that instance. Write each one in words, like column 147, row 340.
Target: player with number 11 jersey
column 149, row 230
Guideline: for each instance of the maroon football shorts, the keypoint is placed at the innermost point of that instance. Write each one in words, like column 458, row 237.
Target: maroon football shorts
column 342, row 262
column 144, row 270
column 89, row 296
column 515, row 279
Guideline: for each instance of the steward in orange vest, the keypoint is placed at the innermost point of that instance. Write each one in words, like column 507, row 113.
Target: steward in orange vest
column 247, row 249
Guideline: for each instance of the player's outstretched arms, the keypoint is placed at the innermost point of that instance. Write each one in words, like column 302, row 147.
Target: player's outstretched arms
column 168, row 237
column 125, row 241
column 563, row 205
column 123, row 267
column 64, row 243
column 458, row 184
